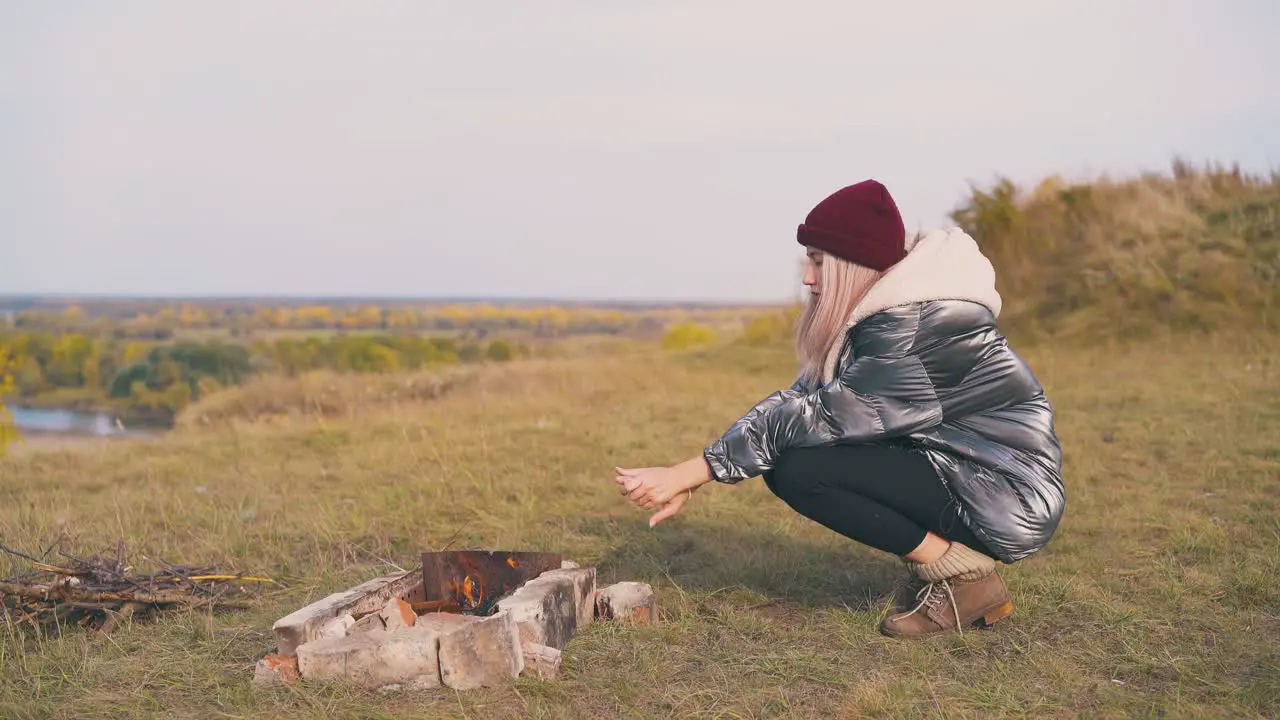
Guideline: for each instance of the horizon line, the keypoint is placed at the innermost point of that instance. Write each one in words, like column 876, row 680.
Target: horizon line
column 6, row 297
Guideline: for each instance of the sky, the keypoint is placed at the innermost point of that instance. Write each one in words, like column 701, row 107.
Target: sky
column 660, row 150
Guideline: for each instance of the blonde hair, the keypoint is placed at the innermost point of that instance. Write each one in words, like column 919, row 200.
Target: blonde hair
column 826, row 316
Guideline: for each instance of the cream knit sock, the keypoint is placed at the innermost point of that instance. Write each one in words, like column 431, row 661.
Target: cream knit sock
column 959, row 562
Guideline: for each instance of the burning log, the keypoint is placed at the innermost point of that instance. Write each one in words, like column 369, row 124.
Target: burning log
column 441, row 606
column 102, row 592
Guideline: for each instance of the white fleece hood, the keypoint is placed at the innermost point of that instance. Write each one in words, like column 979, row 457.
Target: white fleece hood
column 942, row 265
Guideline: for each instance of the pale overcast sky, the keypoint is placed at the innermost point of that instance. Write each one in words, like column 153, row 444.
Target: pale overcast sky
column 607, row 149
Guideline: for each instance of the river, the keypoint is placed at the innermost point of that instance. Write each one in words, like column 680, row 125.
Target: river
column 72, row 423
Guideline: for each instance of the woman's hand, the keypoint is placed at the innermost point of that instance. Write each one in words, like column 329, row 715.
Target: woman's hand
column 651, row 487
column 662, row 487
column 673, row 507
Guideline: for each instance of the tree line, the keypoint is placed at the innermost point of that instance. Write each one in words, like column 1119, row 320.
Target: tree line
column 159, row 320
column 156, row 380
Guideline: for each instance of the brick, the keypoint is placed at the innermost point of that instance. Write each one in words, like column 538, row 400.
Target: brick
column 397, row 615
column 335, row 627
column 485, row 653
column 445, row 622
column 276, row 669
column 630, row 601
column 303, row 625
column 545, row 609
column 584, row 591
column 540, row 661
column 372, row 622
column 375, row 659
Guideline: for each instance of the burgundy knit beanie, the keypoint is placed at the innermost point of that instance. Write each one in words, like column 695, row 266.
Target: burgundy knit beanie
column 859, row 223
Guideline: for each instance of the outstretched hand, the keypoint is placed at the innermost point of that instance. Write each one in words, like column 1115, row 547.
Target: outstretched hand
column 672, row 508
column 665, row 489
column 650, row 487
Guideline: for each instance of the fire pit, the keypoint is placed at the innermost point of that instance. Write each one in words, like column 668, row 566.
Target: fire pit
column 473, row 581
column 464, row 619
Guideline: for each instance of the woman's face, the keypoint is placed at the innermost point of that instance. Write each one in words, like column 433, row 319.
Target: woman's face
column 813, row 272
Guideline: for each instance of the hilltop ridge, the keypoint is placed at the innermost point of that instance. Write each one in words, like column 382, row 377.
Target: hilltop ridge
column 1191, row 249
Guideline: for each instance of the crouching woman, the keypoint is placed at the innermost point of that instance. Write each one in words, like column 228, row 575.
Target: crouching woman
column 912, row 428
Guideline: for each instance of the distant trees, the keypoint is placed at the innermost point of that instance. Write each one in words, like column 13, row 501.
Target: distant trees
column 163, row 378
column 147, row 320
column 158, row 321
column 7, row 431
column 374, row 353
column 500, row 351
column 169, row 377
column 469, row 353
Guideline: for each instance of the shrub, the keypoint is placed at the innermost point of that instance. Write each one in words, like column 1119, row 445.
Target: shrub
column 683, row 336
column 500, row 351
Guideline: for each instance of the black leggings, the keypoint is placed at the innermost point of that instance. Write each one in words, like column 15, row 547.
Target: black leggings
column 885, row 497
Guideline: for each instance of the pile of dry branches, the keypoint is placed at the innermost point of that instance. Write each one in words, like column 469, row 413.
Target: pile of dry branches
column 100, row 592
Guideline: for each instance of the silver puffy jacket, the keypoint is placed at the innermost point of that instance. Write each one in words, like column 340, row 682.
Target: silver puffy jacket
column 923, row 364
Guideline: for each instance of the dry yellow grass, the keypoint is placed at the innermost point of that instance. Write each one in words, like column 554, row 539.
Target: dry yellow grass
column 1158, row 596
column 1192, row 249
column 322, row 393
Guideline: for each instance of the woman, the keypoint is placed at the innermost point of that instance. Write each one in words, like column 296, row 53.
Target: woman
column 913, row 428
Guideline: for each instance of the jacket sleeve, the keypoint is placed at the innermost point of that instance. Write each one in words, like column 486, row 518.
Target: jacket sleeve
column 770, row 402
column 874, row 398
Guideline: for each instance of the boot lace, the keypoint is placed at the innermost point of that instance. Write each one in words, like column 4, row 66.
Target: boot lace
column 932, row 595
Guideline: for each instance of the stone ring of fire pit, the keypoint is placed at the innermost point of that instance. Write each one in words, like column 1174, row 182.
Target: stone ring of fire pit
column 465, row 619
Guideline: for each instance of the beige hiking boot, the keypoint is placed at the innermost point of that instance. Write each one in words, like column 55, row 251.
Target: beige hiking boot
column 961, row 588
column 953, row 605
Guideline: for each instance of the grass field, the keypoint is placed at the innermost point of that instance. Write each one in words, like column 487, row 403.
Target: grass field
column 1160, row 596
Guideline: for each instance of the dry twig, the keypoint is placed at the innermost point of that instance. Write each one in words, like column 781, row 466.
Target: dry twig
column 101, row 591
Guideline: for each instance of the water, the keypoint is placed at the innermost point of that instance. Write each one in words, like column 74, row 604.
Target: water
column 57, row 421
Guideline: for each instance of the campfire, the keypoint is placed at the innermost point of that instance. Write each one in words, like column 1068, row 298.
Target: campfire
column 463, row 619
column 472, row 582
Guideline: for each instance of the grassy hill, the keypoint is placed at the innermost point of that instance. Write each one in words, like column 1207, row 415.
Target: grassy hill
column 1195, row 249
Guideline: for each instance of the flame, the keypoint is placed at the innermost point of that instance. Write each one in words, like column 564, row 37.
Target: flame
column 469, row 591
column 513, row 562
